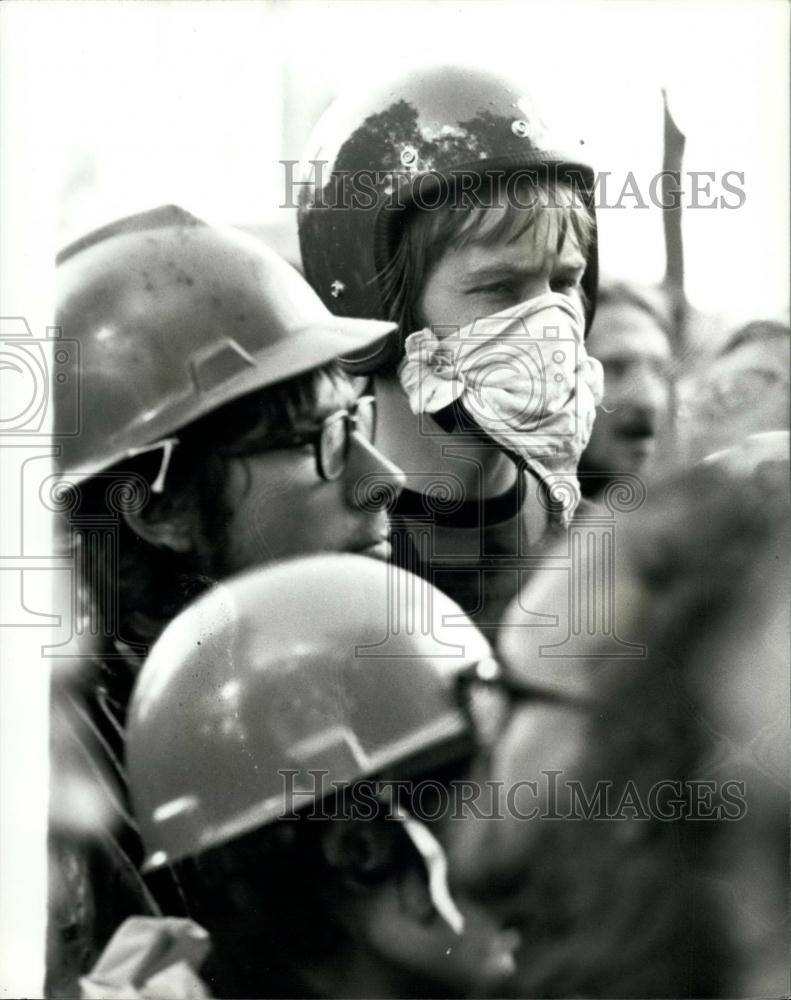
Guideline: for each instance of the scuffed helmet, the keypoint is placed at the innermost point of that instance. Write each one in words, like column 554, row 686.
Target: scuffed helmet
column 174, row 318
column 337, row 664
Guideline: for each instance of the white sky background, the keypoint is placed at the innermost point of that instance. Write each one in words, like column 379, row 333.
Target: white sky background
column 108, row 108
column 197, row 102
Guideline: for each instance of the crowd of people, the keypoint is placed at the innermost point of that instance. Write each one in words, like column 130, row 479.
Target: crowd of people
column 436, row 626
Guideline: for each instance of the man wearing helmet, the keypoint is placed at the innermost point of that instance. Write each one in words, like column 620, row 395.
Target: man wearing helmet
column 217, row 433
column 206, row 368
column 479, row 234
column 300, row 894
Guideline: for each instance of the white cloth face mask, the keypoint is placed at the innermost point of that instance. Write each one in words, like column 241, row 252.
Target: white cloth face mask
column 522, row 375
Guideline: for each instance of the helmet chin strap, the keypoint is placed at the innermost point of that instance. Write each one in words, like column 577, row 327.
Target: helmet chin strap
column 453, row 418
column 166, row 446
column 436, row 862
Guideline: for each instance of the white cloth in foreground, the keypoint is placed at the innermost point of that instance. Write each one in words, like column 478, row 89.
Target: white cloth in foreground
column 150, row 958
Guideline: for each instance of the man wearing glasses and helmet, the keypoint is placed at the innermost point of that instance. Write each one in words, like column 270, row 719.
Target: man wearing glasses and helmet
column 216, row 433
column 291, row 800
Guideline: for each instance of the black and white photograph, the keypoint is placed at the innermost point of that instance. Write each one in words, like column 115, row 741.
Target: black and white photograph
column 394, row 526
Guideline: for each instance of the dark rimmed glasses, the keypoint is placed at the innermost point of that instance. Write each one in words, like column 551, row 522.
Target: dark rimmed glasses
column 488, row 693
column 331, row 439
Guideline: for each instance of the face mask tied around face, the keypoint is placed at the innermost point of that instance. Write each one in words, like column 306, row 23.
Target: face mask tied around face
column 523, row 377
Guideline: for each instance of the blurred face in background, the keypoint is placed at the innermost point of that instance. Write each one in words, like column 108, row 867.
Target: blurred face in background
column 742, row 392
column 635, row 353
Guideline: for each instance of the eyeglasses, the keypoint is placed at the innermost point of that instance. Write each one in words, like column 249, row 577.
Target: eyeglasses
column 331, row 440
column 488, row 693
column 484, row 700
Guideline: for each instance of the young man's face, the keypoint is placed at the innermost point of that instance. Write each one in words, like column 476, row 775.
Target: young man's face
column 470, row 283
column 635, row 353
column 477, row 281
column 281, row 507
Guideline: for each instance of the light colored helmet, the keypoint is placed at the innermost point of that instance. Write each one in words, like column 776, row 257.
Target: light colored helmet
column 338, row 665
column 173, row 318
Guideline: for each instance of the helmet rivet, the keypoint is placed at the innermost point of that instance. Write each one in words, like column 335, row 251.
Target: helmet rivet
column 409, row 156
column 337, row 288
column 519, row 127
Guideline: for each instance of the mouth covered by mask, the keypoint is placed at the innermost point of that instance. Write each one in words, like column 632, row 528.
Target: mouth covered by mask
column 523, row 377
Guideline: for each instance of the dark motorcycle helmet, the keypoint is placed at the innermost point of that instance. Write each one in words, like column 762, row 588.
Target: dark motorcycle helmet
column 406, row 146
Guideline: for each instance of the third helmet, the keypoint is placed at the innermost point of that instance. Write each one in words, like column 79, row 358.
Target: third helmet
column 336, row 665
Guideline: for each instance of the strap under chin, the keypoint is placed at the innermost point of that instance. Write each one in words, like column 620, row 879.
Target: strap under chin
column 453, row 418
column 475, row 513
column 436, row 862
column 480, row 512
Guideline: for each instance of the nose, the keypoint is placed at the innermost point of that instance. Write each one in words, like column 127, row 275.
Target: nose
column 643, row 388
column 372, row 481
column 535, row 285
column 652, row 390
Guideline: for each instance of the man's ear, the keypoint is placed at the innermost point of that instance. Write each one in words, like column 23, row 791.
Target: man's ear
column 365, row 854
column 164, row 527
column 414, row 896
column 361, row 852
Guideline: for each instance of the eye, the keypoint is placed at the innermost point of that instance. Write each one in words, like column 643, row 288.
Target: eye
column 566, row 283
column 615, row 368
